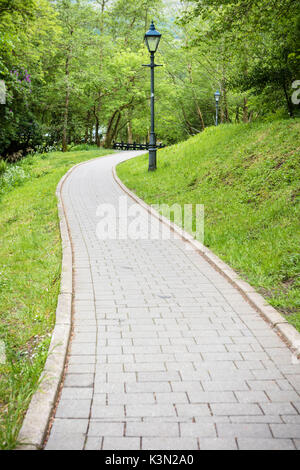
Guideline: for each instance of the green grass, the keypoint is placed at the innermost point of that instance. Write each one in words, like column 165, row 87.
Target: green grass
column 30, row 263
column 248, row 178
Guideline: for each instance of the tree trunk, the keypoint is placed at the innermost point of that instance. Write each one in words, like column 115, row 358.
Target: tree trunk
column 288, row 100
column 97, row 137
column 66, row 111
column 224, row 106
column 87, row 126
column 187, row 123
column 199, row 112
column 129, row 133
column 198, row 109
column 112, row 127
column 67, row 98
column 245, row 110
column 222, row 118
column 115, row 130
column 237, row 114
column 96, row 110
column 224, row 103
column 110, row 130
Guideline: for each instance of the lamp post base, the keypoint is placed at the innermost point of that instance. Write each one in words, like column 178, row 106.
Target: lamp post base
column 152, row 160
column 152, row 151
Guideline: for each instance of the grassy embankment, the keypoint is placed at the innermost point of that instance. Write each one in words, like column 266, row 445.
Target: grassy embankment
column 248, row 178
column 30, row 262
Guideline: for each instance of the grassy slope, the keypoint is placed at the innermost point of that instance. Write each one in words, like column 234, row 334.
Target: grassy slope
column 30, row 255
column 247, row 176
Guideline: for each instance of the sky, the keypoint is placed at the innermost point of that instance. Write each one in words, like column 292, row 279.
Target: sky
column 172, row 6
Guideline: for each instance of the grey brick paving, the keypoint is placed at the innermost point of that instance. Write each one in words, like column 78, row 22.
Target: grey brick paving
column 183, row 443
column 217, row 444
column 100, row 428
column 197, row 430
column 63, row 441
column 121, row 443
column 73, row 408
column 93, row 443
column 152, row 429
column 243, row 430
column 297, row 443
column 166, row 354
column 265, row 444
column 286, row 430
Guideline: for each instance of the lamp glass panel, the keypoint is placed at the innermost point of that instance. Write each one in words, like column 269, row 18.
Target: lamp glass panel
column 152, row 43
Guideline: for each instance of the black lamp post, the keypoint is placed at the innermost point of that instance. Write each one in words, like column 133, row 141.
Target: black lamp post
column 217, row 98
column 152, row 38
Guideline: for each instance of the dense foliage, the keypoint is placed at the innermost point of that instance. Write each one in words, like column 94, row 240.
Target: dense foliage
column 73, row 68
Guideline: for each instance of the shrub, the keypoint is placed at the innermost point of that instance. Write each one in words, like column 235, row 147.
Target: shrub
column 13, row 176
column 3, row 166
column 87, row 147
column 15, row 156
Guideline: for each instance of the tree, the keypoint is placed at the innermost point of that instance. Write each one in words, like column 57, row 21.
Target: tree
column 261, row 38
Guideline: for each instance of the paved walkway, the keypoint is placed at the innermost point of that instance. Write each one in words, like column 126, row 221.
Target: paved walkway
column 166, row 354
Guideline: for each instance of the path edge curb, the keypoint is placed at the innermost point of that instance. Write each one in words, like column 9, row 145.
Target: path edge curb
column 38, row 415
column 36, row 421
column 284, row 329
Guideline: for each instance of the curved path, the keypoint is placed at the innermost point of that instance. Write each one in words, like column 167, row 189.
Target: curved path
column 166, row 354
